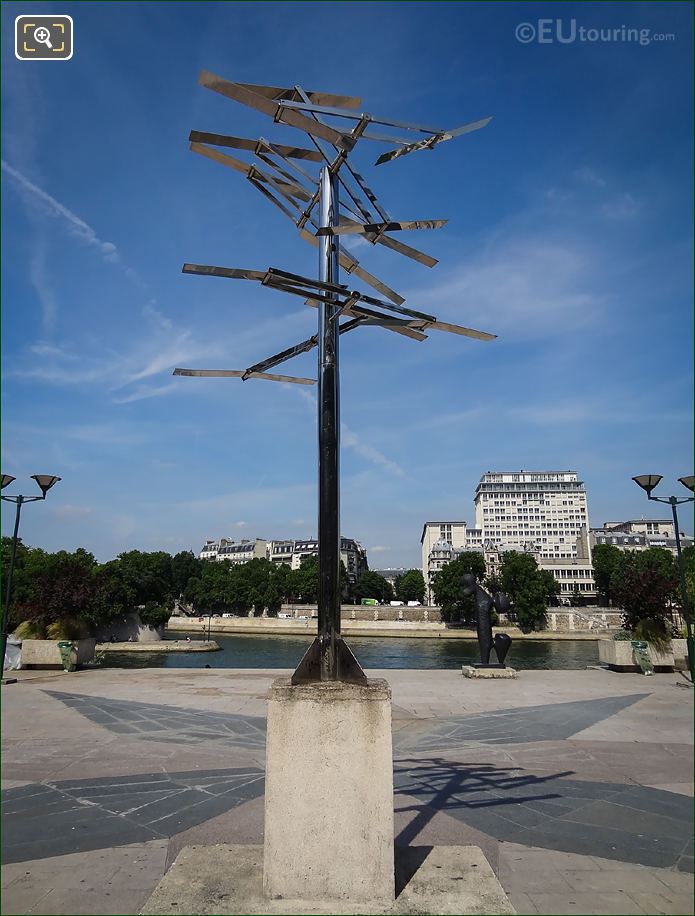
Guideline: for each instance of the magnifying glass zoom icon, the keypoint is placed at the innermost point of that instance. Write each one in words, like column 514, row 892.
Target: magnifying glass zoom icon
column 43, row 36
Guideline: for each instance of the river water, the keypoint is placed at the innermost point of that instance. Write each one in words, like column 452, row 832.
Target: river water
column 372, row 652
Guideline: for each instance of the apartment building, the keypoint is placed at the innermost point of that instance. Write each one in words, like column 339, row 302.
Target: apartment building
column 537, row 511
column 291, row 552
column 438, row 541
column 544, row 513
column 234, row 551
column 635, row 534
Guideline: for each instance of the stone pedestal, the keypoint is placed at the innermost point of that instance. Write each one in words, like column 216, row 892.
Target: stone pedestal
column 491, row 673
column 329, row 792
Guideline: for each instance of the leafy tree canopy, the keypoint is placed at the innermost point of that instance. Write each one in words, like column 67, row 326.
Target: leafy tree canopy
column 411, row 586
column 447, row 586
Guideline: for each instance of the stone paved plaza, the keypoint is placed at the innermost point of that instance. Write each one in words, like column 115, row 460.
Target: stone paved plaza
column 577, row 785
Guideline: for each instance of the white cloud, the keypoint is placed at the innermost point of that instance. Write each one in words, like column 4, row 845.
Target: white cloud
column 38, row 277
column 52, row 207
column 624, row 206
column 588, row 176
column 240, row 524
column 147, row 391
column 379, row 548
column 520, row 287
column 67, row 511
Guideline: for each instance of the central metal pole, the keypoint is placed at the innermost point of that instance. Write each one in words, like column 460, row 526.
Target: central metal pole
column 329, row 438
column 8, row 595
column 684, row 591
column 329, row 658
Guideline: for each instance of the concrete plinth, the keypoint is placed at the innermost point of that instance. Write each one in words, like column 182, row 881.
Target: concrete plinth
column 487, row 673
column 225, row 879
column 329, row 792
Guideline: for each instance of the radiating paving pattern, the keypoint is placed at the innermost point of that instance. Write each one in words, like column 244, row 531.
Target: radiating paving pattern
column 53, row 819
column 552, row 722
column 168, row 723
column 625, row 822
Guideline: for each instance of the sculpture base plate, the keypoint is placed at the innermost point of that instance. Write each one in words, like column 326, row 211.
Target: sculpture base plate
column 227, row 879
column 488, row 671
column 488, row 665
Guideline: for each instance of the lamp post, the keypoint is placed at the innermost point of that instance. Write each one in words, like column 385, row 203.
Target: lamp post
column 648, row 482
column 45, row 482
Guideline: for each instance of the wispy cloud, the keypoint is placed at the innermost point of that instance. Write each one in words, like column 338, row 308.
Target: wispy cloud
column 352, row 440
column 67, row 511
column 48, row 205
column 39, row 279
column 623, row 206
column 147, row 391
column 529, row 286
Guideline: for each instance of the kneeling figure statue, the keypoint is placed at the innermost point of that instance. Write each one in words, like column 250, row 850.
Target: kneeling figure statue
column 484, row 603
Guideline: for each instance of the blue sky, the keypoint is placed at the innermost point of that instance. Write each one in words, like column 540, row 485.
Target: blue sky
column 569, row 235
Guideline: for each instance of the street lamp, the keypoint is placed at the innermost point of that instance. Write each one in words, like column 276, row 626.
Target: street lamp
column 44, row 482
column 648, row 482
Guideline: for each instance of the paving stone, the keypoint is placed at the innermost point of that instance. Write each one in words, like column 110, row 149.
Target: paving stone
column 585, row 904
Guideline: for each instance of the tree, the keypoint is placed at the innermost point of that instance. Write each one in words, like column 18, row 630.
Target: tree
column 447, row 586
column 576, row 599
column 644, row 583
column 184, row 566
column 527, row 588
column 410, row 586
column 492, row 583
column 550, row 585
column 307, row 580
column 689, row 567
column 371, row 585
column 605, row 558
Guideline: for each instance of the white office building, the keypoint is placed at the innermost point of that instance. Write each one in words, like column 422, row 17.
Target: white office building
column 541, row 512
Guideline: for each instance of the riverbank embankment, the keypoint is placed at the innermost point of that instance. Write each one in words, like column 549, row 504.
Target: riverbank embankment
column 269, row 626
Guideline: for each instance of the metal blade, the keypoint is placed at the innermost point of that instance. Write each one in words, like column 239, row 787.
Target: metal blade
column 304, row 347
column 388, row 242
column 290, row 94
column 295, row 152
column 287, row 186
column 257, row 184
column 239, row 93
column 239, row 166
column 373, row 281
column 431, row 142
column 357, row 228
column 352, row 266
column 378, row 318
column 342, row 113
column 232, row 273
column 238, row 373
column 386, row 138
column 291, row 283
column 464, row 332
column 409, row 252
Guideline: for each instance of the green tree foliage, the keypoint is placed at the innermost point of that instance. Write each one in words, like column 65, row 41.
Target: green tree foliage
column 576, row 599
column 689, row 566
column 604, row 559
column 528, row 588
column 447, row 586
column 410, row 586
column 184, row 566
column 644, row 583
column 371, row 585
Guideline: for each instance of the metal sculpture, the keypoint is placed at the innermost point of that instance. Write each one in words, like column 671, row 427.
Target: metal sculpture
column 484, row 603
column 314, row 207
